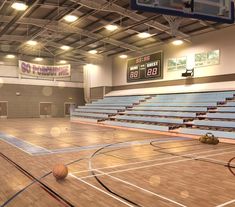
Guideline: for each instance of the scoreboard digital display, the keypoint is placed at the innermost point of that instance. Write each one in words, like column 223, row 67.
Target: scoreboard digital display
column 148, row 67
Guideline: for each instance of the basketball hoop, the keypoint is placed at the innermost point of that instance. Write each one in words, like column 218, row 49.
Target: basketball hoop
column 174, row 23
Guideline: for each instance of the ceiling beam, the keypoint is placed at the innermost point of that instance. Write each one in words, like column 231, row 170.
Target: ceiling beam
column 23, row 39
column 127, row 13
column 17, row 17
column 61, row 27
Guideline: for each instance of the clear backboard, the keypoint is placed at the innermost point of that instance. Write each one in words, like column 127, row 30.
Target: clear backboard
column 211, row 10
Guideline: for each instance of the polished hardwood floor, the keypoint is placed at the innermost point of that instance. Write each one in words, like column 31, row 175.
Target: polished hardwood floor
column 110, row 167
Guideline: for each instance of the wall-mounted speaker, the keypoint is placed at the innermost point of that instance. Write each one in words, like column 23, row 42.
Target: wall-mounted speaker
column 188, row 73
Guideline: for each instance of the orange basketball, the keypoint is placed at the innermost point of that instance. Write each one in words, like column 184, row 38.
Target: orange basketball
column 60, row 171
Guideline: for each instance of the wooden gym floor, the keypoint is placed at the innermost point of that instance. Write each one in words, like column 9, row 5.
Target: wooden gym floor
column 110, row 167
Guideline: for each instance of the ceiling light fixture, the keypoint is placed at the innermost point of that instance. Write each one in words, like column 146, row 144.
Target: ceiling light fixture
column 70, row 18
column 32, row 42
column 144, row 35
column 177, row 42
column 65, row 47
column 93, row 52
column 62, row 61
column 111, row 27
column 123, row 56
column 19, row 6
column 38, row 59
column 10, row 56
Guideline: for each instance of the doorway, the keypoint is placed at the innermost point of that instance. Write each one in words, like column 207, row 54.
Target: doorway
column 3, row 109
column 45, row 109
column 68, row 107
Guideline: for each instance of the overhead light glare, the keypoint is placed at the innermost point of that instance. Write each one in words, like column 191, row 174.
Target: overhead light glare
column 62, row 61
column 38, row 59
column 111, row 27
column 70, row 18
column 65, row 47
column 177, row 42
column 10, row 56
column 32, row 42
column 93, row 52
column 144, row 35
column 123, row 56
column 19, row 6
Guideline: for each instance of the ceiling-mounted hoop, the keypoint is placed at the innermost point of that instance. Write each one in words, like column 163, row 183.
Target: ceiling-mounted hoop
column 174, row 23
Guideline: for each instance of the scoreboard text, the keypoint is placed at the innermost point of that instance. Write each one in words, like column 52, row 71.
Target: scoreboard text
column 144, row 68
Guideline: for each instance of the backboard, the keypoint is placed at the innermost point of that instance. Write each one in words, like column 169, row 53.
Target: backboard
column 211, row 10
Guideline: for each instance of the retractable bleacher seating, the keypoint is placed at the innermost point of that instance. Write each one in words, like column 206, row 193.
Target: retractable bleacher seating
column 220, row 121
column 104, row 108
column 161, row 112
column 189, row 113
column 186, row 113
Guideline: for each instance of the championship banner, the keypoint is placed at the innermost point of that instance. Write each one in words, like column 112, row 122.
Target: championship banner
column 52, row 71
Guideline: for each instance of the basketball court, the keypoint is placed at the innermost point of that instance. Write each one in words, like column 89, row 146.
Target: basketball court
column 136, row 168
column 102, row 103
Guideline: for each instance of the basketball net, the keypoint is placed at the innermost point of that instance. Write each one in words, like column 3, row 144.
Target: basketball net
column 174, row 23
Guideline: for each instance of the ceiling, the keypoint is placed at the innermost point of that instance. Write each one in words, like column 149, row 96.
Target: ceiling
column 43, row 21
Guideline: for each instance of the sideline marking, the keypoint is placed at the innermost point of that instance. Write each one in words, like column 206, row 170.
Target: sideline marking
column 109, row 194
column 23, row 145
column 153, row 160
column 157, row 164
column 225, row 204
column 34, row 150
column 145, row 190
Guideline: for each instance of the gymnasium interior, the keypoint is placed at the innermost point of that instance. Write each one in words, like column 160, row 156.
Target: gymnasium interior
column 112, row 103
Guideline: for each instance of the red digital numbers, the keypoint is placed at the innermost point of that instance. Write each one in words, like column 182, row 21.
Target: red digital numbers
column 138, row 60
column 151, row 72
column 134, row 74
column 142, row 59
column 147, row 58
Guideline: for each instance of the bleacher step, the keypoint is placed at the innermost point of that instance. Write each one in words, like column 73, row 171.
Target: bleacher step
column 217, row 133
column 81, row 119
column 136, row 125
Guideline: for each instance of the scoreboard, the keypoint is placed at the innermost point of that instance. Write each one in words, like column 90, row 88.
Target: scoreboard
column 148, row 67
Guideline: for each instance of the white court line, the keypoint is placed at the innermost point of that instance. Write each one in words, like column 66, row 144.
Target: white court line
column 227, row 203
column 37, row 146
column 157, row 164
column 136, row 168
column 16, row 147
column 145, row 190
column 23, row 141
column 109, row 194
column 146, row 161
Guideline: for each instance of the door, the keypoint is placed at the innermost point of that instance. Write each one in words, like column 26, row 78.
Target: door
column 45, row 109
column 68, row 107
column 3, row 109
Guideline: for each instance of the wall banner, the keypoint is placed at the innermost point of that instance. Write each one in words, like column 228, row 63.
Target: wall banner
column 50, row 71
